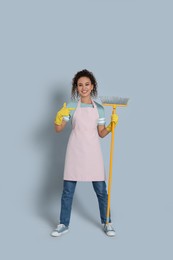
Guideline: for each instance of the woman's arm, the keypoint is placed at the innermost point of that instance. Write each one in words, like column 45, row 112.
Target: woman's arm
column 59, row 128
column 102, row 131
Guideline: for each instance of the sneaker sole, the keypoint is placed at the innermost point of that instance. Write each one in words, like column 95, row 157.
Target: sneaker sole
column 110, row 235
column 56, row 234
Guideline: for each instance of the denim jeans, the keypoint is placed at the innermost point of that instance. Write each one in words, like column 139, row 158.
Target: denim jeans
column 67, row 198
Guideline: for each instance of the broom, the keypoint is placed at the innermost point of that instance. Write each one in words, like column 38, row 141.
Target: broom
column 114, row 102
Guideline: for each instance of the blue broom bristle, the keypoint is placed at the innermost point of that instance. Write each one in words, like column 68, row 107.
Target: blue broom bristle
column 114, row 100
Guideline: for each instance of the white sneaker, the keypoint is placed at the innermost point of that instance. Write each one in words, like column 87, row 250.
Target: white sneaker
column 61, row 229
column 109, row 230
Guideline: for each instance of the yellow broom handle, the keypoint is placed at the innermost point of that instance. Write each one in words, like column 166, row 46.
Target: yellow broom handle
column 110, row 169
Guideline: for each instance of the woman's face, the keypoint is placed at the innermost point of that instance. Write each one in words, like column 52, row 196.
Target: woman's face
column 84, row 86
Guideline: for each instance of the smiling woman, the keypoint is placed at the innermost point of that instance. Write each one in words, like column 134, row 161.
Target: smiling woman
column 84, row 88
column 81, row 80
column 88, row 123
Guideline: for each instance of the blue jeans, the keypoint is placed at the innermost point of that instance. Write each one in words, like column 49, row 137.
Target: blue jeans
column 67, row 198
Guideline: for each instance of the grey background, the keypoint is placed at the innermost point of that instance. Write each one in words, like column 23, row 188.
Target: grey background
column 128, row 46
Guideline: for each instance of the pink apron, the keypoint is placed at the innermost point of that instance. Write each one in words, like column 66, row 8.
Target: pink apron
column 84, row 161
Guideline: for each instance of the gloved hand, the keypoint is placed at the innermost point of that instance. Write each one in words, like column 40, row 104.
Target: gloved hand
column 64, row 111
column 114, row 118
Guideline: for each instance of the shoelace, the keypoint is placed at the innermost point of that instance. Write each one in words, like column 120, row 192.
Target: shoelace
column 109, row 227
column 59, row 226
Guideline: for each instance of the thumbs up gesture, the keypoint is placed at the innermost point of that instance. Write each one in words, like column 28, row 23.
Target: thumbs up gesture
column 64, row 111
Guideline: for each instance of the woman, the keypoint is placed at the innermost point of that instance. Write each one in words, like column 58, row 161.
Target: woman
column 83, row 161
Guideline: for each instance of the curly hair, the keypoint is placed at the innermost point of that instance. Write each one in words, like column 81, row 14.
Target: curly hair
column 79, row 74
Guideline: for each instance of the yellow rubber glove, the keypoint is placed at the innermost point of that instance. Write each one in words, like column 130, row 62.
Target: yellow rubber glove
column 64, row 111
column 114, row 118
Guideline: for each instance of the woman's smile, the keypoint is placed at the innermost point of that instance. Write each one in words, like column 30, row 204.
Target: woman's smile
column 84, row 91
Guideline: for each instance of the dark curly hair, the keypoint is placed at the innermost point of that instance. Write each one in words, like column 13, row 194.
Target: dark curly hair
column 79, row 74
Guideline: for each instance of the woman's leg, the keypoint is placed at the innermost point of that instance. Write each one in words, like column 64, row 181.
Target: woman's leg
column 66, row 202
column 101, row 192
